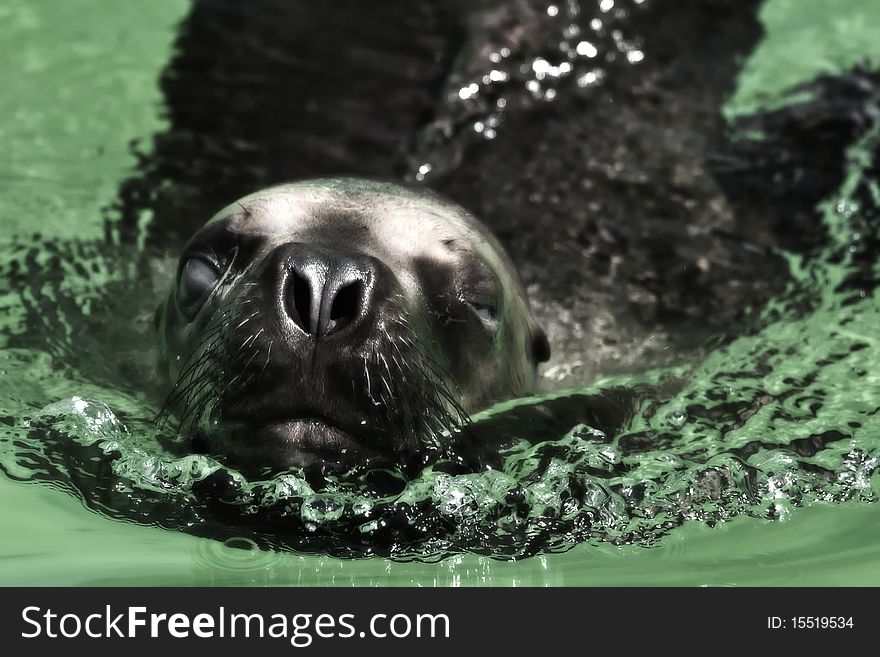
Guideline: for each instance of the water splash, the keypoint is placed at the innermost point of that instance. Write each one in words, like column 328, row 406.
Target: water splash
column 510, row 72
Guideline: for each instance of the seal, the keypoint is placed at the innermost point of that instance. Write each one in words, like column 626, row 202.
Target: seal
column 337, row 322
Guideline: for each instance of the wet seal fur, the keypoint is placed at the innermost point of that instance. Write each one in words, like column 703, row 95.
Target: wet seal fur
column 338, row 322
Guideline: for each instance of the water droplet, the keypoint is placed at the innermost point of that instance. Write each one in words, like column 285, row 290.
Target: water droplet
column 468, row 92
column 635, row 56
column 320, row 509
column 677, row 419
column 586, row 49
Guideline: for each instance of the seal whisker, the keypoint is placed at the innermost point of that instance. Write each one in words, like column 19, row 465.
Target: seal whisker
column 268, row 358
column 189, row 394
column 248, row 318
column 181, row 389
column 253, row 338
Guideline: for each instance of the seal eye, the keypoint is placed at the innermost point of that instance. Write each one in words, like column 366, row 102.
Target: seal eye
column 487, row 313
column 197, row 278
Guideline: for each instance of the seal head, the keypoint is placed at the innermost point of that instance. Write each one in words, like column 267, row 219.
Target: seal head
column 340, row 322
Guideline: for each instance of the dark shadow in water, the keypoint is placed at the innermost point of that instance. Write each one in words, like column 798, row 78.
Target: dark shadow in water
column 783, row 163
column 618, row 201
column 268, row 91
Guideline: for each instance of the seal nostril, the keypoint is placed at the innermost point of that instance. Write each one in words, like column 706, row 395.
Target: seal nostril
column 301, row 298
column 346, row 306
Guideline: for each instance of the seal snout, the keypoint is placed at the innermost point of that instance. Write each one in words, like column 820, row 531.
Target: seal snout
column 324, row 292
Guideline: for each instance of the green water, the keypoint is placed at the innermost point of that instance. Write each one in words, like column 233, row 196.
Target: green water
column 53, row 540
column 805, row 38
column 66, row 133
